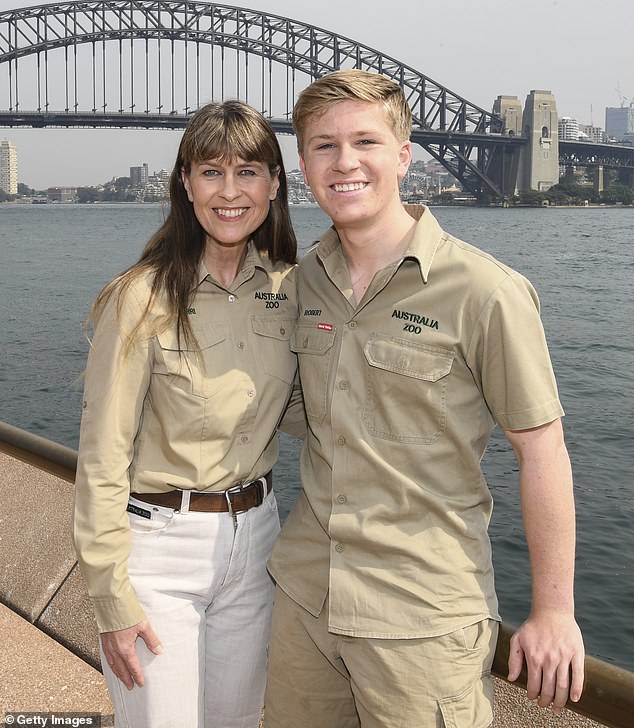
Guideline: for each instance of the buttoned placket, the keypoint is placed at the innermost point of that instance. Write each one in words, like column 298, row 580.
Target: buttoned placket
column 241, row 343
column 344, row 391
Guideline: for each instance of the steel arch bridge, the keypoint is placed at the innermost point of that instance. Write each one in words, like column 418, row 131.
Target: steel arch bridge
column 150, row 63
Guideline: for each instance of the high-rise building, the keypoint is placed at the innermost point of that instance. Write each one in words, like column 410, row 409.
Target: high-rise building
column 619, row 123
column 8, row 168
column 591, row 133
column 568, row 129
column 139, row 176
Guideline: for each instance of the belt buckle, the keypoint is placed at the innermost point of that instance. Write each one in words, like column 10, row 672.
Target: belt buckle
column 229, row 492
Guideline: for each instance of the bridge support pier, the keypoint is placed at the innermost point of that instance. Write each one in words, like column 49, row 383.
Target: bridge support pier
column 599, row 181
column 539, row 160
column 505, row 163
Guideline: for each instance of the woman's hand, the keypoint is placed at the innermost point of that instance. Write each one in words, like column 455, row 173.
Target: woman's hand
column 120, row 651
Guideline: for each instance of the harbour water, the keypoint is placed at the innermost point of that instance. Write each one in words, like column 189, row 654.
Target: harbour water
column 55, row 258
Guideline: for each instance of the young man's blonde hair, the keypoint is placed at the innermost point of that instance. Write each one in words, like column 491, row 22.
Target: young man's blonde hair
column 352, row 85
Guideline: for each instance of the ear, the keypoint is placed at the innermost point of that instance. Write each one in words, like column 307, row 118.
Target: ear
column 186, row 184
column 275, row 183
column 302, row 166
column 404, row 158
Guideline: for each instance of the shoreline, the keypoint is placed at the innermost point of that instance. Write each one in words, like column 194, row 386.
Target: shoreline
column 469, row 205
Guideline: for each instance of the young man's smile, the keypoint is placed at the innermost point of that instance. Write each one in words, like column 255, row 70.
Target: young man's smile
column 349, row 187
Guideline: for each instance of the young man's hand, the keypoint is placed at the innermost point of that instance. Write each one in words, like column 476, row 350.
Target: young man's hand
column 553, row 649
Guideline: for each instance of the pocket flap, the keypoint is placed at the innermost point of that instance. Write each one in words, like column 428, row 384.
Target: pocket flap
column 408, row 358
column 309, row 339
column 280, row 329
column 471, row 708
column 206, row 336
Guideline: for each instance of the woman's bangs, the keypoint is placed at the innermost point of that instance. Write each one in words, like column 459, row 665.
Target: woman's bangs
column 234, row 138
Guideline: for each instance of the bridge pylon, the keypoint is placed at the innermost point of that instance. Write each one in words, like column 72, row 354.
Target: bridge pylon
column 539, row 159
column 505, row 163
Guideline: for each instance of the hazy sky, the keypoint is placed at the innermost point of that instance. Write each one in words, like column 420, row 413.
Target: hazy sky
column 479, row 49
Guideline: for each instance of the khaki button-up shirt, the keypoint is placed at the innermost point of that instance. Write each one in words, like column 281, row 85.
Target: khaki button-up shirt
column 156, row 419
column 401, row 392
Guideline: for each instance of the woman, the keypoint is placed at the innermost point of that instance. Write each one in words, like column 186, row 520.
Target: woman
column 188, row 377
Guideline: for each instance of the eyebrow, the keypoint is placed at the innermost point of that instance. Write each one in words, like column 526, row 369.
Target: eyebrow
column 220, row 163
column 327, row 137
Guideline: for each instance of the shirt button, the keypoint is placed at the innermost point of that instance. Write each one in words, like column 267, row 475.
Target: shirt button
column 341, row 441
column 339, row 548
column 251, row 392
column 352, row 325
column 341, row 498
column 231, row 298
column 244, row 439
column 343, row 384
column 283, row 331
column 240, row 344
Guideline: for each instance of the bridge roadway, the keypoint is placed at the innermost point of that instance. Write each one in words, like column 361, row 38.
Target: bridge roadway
column 175, row 120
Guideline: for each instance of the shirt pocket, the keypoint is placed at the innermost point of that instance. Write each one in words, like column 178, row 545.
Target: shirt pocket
column 406, row 389
column 198, row 371
column 314, row 347
column 272, row 342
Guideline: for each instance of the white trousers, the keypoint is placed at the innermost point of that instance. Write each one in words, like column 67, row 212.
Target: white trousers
column 203, row 583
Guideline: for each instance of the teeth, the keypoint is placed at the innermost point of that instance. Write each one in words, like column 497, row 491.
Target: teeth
column 349, row 187
column 232, row 211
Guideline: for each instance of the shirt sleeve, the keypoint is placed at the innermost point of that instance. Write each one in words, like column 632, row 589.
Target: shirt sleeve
column 510, row 360
column 116, row 383
column 294, row 421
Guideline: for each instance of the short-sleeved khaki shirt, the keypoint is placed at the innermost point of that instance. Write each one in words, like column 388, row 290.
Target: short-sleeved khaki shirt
column 401, row 393
column 155, row 420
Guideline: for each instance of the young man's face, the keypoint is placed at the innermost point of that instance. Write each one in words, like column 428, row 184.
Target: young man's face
column 353, row 162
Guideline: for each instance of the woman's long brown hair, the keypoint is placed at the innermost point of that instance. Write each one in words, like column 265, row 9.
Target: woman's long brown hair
column 216, row 131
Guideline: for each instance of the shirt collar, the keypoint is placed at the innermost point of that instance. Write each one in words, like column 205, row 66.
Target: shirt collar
column 422, row 246
column 253, row 259
column 424, row 242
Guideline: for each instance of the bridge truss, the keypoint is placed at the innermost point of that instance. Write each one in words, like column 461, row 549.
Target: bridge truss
column 614, row 156
column 150, row 63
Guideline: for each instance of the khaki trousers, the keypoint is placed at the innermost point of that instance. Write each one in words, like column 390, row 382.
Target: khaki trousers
column 325, row 680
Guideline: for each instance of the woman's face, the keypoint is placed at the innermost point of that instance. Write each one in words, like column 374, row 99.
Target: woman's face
column 231, row 198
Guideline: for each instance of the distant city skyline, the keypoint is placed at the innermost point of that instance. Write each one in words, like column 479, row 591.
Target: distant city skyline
column 584, row 56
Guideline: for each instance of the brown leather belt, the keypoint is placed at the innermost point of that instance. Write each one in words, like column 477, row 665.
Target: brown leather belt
column 238, row 499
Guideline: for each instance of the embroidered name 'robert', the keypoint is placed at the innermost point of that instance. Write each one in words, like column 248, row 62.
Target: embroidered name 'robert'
column 415, row 321
column 272, row 299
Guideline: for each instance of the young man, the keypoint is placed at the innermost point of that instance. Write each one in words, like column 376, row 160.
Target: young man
column 412, row 345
